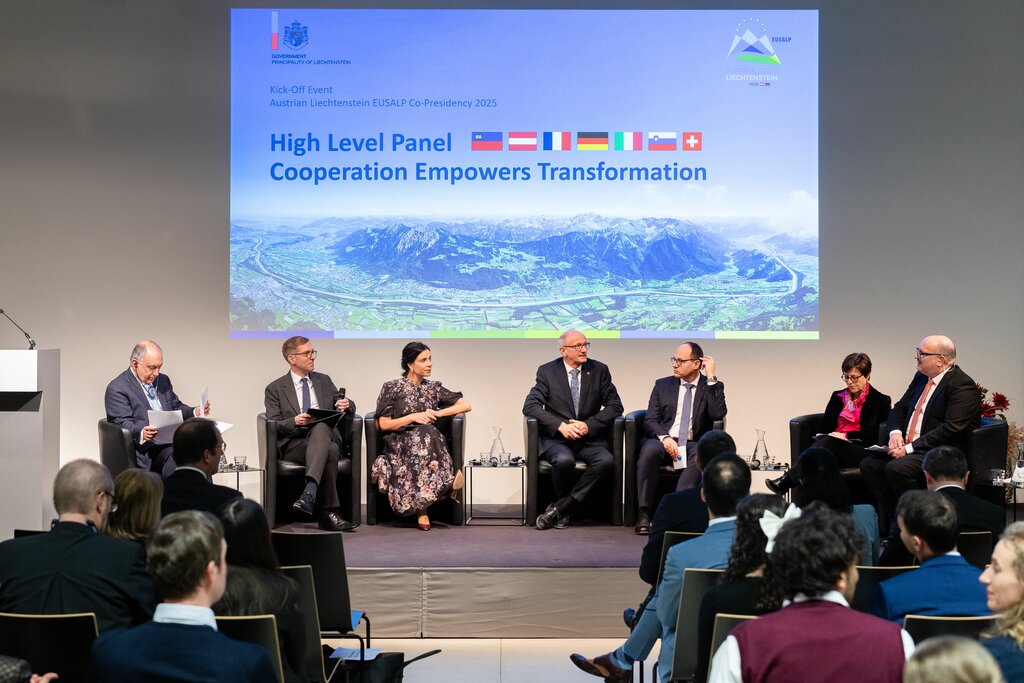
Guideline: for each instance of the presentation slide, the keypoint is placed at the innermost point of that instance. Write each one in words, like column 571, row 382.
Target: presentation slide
column 515, row 173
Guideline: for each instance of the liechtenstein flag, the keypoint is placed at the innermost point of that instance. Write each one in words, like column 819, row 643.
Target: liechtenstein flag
column 487, row 142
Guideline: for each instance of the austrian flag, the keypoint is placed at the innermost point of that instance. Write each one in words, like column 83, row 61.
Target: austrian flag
column 525, row 142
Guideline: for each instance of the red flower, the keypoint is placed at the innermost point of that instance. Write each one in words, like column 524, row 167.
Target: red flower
column 987, row 409
column 1000, row 402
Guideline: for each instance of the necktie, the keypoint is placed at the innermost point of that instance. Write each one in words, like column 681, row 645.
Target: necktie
column 305, row 395
column 912, row 432
column 574, row 389
column 684, row 417
column 150, row 391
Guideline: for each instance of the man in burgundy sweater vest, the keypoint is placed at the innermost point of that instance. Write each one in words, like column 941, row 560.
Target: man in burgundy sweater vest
column 815, row 637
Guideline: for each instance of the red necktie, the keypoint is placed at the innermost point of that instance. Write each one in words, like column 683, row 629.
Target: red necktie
column 912, row 432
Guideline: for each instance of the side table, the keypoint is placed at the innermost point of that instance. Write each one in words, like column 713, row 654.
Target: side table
column 511, row 473
column 249, row 482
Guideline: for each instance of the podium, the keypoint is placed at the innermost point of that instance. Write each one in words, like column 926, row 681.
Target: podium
column 29, row 438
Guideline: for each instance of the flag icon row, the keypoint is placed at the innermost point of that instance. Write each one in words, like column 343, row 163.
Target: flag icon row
column 561, row 141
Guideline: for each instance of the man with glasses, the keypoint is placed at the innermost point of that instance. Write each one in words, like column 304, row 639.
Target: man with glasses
column 940, row 408
column 76, row 567
column 198, row 447
column 575, row 404
column 305, row 440
column 132, row 394
column 683, row 407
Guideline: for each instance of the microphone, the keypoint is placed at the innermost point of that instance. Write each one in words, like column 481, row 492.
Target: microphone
column 31, row 341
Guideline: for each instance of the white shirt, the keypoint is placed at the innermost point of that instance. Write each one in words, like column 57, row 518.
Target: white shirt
column 180, row 613
column 910, row 437
column 297, row 382
column 726, row 666
column 676, row 428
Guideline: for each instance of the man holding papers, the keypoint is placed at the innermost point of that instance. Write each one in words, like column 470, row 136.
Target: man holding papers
column 134, row 393
column 304, row 438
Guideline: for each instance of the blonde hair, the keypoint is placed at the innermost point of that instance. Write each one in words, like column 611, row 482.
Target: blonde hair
column 1011, row 622
column 952, row 659
column 138, row 494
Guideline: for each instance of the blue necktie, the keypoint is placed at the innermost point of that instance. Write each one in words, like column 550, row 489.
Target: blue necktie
column 574, row 389
column 684, row 417
column 305, row 395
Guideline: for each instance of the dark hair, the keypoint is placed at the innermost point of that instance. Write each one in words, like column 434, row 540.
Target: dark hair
column 695, row 349
column 712, row 444
column 820, row 480
column 945, row 463
column 410, row 353
column 179, row 550
column 747, row 552
column 859, row 361
column 726, row 483
column 810, row 553
column 292, row 343
column 248, row 535
column 192, row 438
column 932, row 516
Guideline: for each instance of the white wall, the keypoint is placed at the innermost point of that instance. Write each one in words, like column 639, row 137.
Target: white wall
column 114, row 196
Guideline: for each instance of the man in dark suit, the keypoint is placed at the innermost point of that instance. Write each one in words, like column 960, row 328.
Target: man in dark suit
column 198, row 447
column 187, row 560
column 132, row 394
column 575, row 404
column 302, row 439
column 76, row 567
column 682, row 409
column 940, row 408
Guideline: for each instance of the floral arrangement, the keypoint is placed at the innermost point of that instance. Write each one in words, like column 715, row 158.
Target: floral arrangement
column 996, row 407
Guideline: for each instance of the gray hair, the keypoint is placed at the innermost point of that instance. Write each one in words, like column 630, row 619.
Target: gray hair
column 77, row 484
column 142, row 348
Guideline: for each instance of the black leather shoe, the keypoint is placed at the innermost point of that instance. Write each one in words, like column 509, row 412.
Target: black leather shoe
column 603, row 668
column 304, row 504
column 549, row 518
column 332, row 521
column 563, row 522
column 629, row 617
column 643, row 525
column 780, row 486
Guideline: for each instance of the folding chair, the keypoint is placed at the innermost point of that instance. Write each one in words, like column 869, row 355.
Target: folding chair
column 260, row 629
column 58, row 643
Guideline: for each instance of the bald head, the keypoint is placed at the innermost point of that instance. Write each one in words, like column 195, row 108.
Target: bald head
column 935, row 353
column 77, row 484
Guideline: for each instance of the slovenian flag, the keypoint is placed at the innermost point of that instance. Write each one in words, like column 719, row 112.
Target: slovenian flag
column 692, row 141
column 628, row 142
column 592, row 141
column 486, row 142
column 273, row 31
column 523, row 142
column 663, row 142
column 558, row 141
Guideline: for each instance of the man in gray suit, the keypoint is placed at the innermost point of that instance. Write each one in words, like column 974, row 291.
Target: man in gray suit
column 303, row 439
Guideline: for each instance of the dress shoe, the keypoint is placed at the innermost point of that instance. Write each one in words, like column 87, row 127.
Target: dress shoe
column 305, row 504
column 629, row 617
column 780, row 486
column 549, row 518
column 423, row 522
column 332, row 521
column 457, row 485
column 602, row 667
column 643, row 525
column 563, row 522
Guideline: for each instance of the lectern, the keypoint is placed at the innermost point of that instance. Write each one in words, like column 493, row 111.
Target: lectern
column 29, row 438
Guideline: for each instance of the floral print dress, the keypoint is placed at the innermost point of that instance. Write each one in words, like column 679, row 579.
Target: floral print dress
column 415, row 469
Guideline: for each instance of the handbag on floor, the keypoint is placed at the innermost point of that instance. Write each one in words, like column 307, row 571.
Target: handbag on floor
column 387, row 667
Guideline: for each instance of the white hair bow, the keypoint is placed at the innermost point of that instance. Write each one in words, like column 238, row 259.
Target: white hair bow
column 771, row 523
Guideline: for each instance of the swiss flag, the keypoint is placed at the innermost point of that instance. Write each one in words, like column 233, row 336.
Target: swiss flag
column 691, row 141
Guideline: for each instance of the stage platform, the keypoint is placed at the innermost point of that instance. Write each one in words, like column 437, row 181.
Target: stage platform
column 493, row 581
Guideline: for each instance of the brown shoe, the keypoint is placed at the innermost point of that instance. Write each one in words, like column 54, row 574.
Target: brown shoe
column 602, row 667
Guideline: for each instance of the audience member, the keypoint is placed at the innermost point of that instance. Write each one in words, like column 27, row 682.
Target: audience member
column 75, row 567
column 256, row 584
column 198, row 447
column 1004, row 581
column 186, row 557
column 812, row 567
column 14, row 670
column 945, row 584
column 138, row 494
column 951, row 659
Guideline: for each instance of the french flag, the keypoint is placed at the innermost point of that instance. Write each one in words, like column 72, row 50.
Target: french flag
column 558, row 142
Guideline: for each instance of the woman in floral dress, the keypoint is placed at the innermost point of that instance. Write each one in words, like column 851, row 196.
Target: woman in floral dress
column 415, row 469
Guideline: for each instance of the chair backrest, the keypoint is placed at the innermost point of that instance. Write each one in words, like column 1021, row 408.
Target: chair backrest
column 976, row 547
column 669, row 540
column 802, row 429
column 869, row 579
column 117, row 450
column 260, row 629
column 695, row 583
column 325, row 554
column 303, row 576
column 58, row 643
column 921, row 627
column 724, row 624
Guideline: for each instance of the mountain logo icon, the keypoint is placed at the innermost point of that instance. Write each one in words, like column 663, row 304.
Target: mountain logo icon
column 752, row 44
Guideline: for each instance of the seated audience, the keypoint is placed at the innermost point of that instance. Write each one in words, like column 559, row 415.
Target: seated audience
column 945, row 584
column 138, row 494
column 1004, row 580
column 75, row 567
column 739, row 591
column 256, row 584
column 197, row 449
column 812, row 570
column 186, row 557
column 951, row 659
column 820, row 480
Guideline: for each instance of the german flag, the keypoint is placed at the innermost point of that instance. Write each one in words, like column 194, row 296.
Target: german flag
column 592, row 141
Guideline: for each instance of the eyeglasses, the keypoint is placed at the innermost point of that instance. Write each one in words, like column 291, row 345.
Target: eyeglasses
column 223, row 446
column 113, row 501
column 577, row 347
column 308, row 354
column 680, row 361
column 851, row 378
column 919, row 354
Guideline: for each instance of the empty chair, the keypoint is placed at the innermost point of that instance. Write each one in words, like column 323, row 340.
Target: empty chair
column 117, row 449
column 976, row 547
column 260, row 629
column 303, row 576
column 870, row 577
column 58, row 643
column 922, row 627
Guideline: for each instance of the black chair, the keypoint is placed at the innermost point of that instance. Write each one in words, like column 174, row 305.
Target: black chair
column 540, row 491
column 922, row 627
column 668, row 476
column 870, row 577
column 695, row 583
column 801, row 435
column 976, row 547
column 285, row 480
column 986, row 451
column 117, row 448
column 378, row 509
column 303, row 576
column 724, row 624
column 58, row 643
column 260, row 629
